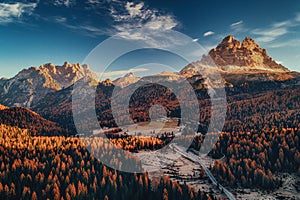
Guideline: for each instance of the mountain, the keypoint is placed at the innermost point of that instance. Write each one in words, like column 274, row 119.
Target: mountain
column 30, row 85
column 257, row 73
column 2, row 107
column 233, row 56
column 52, row 87
column 27, row 119
column 128, row 79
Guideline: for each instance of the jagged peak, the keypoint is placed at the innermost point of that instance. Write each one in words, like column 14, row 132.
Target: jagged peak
column 85, row 66
column 228, row 39
column 228, row 42
column 50, row 69
column 66, row 64
column 2, row 107
column 107, row 81
column 231, row 55
column 249, row 39
column 249, row 43
column 130, row 74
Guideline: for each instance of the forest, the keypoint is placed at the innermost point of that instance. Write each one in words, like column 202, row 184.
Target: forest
column 259, row 140
column 60, row 167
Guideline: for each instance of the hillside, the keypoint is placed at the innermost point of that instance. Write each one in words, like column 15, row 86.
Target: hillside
column 27, row 119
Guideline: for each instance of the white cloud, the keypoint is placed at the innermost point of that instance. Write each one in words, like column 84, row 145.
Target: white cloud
column 275, row 32
column 129, row 15
column 236, row 23
column 237, row 27
column 12, row 12
column 208, row 33
column 269, row 34
column 126, row 16
column 297, row 18
column 166, row 22
column 134, row 10
column 287, row 43
column 88, row 30
column 279, row 62
column 93, row 1
column 67, row 3
column 196, row 40
column 123, row 72
column 282, row 24
column 91, row 29
column 60, row 19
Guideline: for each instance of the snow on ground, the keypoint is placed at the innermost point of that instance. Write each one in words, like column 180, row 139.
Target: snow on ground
column 287, row 191
column 180, row 169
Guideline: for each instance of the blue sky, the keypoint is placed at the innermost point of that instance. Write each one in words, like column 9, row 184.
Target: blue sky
column 37, row 32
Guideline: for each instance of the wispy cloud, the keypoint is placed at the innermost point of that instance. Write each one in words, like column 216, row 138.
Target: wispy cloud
column 237, row 27
column 272, row 35
column 208, row 33
column 122, row 72
column 287, row 43
column 269, row 34
column 121, row 17
column 14, row 11
column 117, row 16
column 60, row 19
column 297, row 18
column 236, row 23
column 282, row 24
column 67, row 3
column 85, row 29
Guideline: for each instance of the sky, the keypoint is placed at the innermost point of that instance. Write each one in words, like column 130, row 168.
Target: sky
column 33, row 33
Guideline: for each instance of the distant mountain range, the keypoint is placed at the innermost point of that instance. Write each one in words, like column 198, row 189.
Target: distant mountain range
column 31, row 85
column 246, row 70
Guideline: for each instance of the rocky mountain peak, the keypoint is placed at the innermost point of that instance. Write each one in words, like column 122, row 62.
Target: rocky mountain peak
column 33, row 83
column 126, row 80
column 228, row 42
column 231, row 55
column 129, row 75
column 250, row 44
column 66, row 64
column 107, row 82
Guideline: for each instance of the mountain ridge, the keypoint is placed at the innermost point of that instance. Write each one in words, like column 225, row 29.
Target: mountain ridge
column 32, row 84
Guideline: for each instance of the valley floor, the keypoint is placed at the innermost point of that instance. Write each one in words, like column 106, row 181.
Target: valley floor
column 184, row 170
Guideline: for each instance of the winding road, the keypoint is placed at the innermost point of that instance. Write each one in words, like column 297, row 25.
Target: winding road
column 196, row 159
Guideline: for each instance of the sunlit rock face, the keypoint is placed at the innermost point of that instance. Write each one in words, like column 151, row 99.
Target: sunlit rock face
column 30, row 85
column 231, row 55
